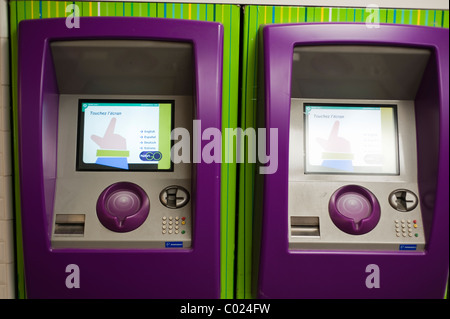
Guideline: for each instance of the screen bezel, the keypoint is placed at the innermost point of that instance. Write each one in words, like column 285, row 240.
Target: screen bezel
column 81, row 166
column 332, row 171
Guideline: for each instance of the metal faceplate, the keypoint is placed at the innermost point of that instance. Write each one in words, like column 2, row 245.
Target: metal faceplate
column 75, row 221
column 400, row 224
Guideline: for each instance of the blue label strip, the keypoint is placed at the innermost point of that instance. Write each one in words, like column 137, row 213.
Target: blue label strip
column 174, row 244
column 408, row 247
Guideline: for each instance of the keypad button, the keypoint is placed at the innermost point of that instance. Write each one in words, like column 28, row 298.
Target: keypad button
column 405, row 228
column 173, row 224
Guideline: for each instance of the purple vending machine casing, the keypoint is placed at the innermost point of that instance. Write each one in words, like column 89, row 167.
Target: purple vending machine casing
column 115, row 271
column 316, row 249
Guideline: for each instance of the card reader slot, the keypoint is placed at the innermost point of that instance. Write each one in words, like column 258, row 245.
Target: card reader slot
column 305, row 226
column 69, row 224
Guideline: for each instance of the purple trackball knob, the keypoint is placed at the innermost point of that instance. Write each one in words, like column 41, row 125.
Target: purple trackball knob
column 123, row 207
column 354, row 209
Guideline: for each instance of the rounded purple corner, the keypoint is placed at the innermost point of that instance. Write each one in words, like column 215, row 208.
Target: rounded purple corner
column 123, row 207
column 354, row 209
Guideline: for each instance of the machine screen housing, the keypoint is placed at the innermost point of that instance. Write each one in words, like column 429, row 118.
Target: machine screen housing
column 351, row 139
column 124, row 135
column 311, row 186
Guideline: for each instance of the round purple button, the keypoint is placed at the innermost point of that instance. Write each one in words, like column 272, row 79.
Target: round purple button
column 354, row 209
column 123, row 203
column 123, row 207
column 354, row 206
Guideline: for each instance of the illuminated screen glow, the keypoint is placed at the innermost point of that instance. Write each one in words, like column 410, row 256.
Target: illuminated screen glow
column 351, row 139
column 124, row 135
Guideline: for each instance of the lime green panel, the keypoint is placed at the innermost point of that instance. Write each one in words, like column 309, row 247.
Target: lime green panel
column 229, row 16
column 254, row 16
column 201, row 12
column 108, row 9
column 140, row 9
column 112, row 153
column 159, row 10
column 165, row 116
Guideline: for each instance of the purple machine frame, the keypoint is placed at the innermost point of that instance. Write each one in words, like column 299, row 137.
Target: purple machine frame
column 285, row 273
column 114, row 273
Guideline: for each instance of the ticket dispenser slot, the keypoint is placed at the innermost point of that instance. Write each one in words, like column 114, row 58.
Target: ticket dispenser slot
column 360, row 114
column 101, row 107
column 69, row 224
column 305, row 226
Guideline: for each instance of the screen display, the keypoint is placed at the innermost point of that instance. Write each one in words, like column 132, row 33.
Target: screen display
column 124, row 135
column 351, row 139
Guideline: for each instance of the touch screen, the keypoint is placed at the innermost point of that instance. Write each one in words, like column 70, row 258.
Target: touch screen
column 124, row 135
column 351, row 139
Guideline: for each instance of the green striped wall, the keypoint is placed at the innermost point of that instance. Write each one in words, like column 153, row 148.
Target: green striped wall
column 229, row 16
column 280, row 14
column 254, row 16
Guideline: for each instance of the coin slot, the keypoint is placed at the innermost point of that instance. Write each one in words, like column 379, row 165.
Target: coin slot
column 69, row 224
column 305, row 226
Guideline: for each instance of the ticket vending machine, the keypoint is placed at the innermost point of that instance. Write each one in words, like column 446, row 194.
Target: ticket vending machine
column 358, row 207
column 111, row 206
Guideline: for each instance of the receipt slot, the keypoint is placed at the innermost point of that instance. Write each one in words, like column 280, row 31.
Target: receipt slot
column 358, row 207
column 106, row 210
